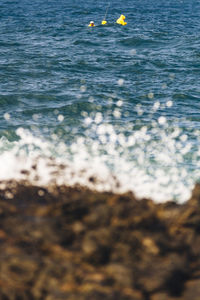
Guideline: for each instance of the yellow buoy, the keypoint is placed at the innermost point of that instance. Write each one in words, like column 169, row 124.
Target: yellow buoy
column 121, row 20
column 104, row 22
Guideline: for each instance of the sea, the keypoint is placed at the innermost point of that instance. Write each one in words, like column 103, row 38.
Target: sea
column 110, row 107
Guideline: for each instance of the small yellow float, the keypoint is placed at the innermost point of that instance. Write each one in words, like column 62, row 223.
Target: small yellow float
column 121, row 20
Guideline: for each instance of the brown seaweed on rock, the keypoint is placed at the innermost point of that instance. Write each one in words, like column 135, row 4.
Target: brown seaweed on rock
column 77, row 244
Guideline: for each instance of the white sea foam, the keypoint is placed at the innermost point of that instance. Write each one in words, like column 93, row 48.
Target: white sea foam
column 112, row 161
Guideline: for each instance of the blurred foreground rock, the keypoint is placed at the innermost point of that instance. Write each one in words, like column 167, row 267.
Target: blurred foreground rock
column 75, row 244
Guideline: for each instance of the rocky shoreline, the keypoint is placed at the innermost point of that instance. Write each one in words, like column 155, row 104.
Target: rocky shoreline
column 77, row 244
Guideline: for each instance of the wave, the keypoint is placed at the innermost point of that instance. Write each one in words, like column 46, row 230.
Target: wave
column 148, row 162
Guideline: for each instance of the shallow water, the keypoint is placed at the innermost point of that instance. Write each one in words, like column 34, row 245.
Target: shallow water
column 120, row 103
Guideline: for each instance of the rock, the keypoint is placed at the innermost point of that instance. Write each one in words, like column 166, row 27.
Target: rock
column 73, row 243
column 192, row 290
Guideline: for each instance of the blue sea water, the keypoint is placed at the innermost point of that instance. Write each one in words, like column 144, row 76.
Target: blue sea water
column 118, row 103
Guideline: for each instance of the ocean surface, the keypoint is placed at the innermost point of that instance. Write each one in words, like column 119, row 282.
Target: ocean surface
column 110, row 107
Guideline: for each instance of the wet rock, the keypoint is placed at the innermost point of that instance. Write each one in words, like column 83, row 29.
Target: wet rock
column 192, row 290
column 73, row 243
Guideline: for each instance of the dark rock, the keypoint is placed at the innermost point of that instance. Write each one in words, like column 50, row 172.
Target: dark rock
column 73, row 243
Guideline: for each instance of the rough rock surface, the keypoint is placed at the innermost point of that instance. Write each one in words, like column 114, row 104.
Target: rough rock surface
column 76, row 244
